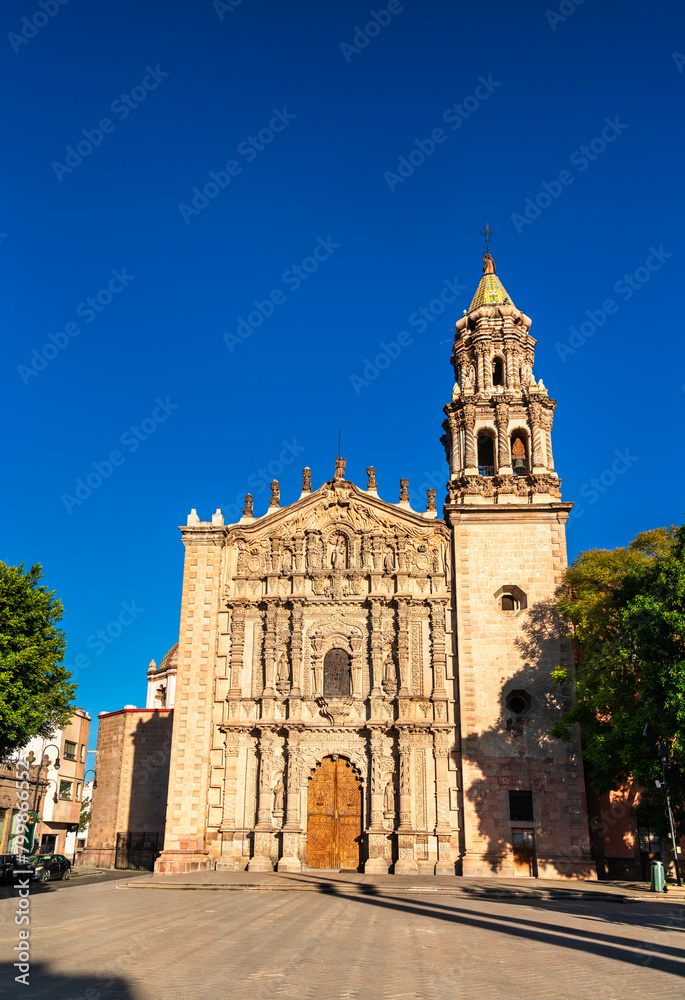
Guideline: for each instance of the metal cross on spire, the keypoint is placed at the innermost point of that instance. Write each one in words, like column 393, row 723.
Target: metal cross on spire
column 487, row 233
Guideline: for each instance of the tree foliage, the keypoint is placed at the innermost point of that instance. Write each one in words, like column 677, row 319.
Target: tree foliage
column 626, row 609
column 36, row 695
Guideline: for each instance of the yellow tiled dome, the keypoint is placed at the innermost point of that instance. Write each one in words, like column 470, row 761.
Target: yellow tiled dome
column 490, row 292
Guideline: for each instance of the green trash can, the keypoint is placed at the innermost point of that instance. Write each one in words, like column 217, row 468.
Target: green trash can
column 658, row 879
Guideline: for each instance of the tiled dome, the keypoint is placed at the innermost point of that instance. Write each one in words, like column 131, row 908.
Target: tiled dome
column 170, row 659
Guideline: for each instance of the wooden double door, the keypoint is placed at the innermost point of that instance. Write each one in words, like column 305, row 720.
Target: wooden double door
column 334, row 815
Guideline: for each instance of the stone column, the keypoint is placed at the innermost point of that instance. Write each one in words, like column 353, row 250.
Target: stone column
column 317, row 663
column 376, row 634
column 297, row 651
column 480, row 370
column 406, row 855
column 237, row 651
column 264, row 841
column 403, row 646
column 470, row 456
column 228, row 818
column 356, row 685
column 547, row 417
column 270, row 650
column 377, row 836
column 534, row 416
column 290, row 861
column 503, row 450
column 439, row 657
column 445, row 865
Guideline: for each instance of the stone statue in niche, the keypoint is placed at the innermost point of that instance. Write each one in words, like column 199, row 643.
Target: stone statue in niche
column 436, row 561
column 389, row 561
column 283, row 667
column 279, row 792
column 287, row 563
column 527, row 374
column 339, row 554
column 389, row 798
column 468, row 377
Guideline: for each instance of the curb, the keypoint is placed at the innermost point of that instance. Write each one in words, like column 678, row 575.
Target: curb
column 372, row 890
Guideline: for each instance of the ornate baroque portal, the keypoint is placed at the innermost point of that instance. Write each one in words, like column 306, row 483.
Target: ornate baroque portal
column 334, row 815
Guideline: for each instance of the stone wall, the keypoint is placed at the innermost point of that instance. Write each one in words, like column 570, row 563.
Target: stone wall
column 132, row 771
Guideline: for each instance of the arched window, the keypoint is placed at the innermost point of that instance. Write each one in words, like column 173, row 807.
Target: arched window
column 336, row 672
column 486, row 455
column 497, row 371
column 519, row 455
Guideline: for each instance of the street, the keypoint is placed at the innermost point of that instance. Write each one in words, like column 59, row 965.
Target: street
column 98, row 941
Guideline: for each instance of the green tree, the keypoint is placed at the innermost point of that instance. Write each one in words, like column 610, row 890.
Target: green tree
column 36, row 693
column 86, row 814
column 626, row 609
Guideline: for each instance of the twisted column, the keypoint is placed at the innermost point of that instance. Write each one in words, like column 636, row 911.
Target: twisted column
column 405, row 782
column 503, row 449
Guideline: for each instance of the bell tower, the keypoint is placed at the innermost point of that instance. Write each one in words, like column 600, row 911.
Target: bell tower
column 524, row 810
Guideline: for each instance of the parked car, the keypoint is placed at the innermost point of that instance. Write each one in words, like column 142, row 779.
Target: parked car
column 15, row 866
column 47, row 866
column 8, row 862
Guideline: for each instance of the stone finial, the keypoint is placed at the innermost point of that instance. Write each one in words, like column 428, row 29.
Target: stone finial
column 275, row 500
column 218, row 517
column 340, row 464
column 193, row 518
column 307, row 480
column 430, row 500
column 152, row 666
column 404, row 491
column 371, row 473
column 248, row 509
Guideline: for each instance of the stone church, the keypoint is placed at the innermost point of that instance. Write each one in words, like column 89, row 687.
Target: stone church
column 360, row 684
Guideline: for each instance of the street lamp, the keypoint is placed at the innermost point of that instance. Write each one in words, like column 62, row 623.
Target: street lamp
column 40, row 768
column 663, row 786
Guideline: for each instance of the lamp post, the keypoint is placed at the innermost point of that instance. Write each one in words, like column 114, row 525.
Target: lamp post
column 663, row 786
column 40, row 768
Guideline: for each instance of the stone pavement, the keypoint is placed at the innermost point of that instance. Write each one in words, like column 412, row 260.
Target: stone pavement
column 107, row 942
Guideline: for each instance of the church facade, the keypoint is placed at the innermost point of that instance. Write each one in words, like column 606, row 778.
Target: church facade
column 364, row 685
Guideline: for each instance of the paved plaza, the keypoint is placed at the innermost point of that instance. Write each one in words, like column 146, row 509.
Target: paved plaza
column 110, row 941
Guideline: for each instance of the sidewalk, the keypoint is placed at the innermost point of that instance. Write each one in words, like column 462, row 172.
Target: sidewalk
column 352, row 883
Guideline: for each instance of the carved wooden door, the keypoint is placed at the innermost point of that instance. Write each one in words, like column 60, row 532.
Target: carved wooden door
column 334, row 816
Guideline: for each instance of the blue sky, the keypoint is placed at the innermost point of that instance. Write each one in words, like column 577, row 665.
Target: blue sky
column 310, row 240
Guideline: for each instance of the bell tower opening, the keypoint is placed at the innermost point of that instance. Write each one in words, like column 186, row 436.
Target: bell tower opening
column 486, row 455
column 519, row 455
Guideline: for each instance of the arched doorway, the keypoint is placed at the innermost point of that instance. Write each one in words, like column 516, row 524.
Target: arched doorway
column 334, row 815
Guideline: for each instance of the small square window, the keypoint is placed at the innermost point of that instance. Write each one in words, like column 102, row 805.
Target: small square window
column 65, row 789
column 69, row 750
column 521, row 807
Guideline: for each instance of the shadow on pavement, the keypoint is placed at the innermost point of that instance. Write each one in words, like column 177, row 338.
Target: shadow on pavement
column 46, row 985
column 634, row 951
